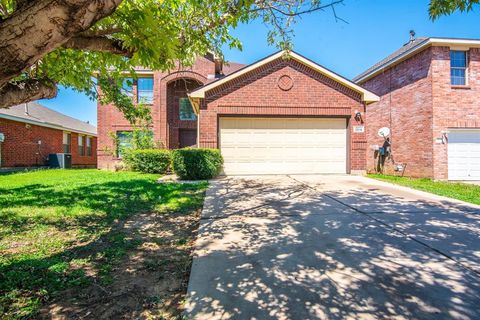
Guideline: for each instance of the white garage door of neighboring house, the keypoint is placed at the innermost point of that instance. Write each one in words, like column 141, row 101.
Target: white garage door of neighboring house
column 283, row 145
column 464, row 155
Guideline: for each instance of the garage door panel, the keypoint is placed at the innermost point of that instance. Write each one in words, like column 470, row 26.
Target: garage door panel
column 464, row 155
column 283, row 145
column 470, row 137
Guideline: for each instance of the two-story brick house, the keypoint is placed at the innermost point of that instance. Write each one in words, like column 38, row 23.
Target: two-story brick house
column 430, row 100
column 174, row 120
column 277, row 115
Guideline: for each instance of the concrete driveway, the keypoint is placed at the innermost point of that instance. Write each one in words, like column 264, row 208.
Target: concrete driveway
column 333, row 247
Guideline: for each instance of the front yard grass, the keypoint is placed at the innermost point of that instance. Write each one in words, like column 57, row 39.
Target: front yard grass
column 95, row 244
column 461, row 191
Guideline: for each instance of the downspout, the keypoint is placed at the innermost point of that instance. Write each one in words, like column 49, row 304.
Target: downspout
column 198, row 130
column 390, row 108
column 196, row 108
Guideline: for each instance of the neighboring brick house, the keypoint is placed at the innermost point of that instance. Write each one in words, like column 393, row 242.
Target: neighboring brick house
column 430, row 99
column 274, row 116
column 31, row 132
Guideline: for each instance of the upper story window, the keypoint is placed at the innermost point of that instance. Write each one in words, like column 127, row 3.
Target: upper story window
column 81, row 147
column 186, row 110
column 67, row 139
column 127, row 86
column 89, row 146
column 145, row 90
column 458, row 68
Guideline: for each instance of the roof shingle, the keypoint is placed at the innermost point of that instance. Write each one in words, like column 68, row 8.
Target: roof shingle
column 36, row 113
column 408, row 46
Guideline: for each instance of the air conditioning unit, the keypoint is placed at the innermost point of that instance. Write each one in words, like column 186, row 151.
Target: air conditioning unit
column 60, row 160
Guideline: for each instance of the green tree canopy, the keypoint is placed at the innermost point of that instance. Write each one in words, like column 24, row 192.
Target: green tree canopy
column 445, row 7
column 46, row 43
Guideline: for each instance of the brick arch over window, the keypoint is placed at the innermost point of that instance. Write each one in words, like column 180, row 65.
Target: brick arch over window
column 184, row 75
column 176, row 86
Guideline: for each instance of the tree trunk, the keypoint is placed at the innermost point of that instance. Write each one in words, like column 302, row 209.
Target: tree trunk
column 25, row 91
column 98, row 43
column 43, row 25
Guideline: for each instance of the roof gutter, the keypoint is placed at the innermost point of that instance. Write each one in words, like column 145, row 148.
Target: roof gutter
column 403, row 56
column 454, row 43
column 141, row 72
column 367, row 96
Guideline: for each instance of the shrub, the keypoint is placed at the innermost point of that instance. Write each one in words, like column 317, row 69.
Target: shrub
column 148, row 160
column 196, row 164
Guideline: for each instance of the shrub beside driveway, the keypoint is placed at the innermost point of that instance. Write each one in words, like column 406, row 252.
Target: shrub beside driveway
column 187, row 163
column 78, row 242
column 197, row 163
column 461, row 191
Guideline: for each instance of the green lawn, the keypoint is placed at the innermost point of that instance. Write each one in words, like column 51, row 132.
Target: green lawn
column 461, row 191
column 63, row 229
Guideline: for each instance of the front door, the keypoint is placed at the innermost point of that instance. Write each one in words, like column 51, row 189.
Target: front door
column 188, row 138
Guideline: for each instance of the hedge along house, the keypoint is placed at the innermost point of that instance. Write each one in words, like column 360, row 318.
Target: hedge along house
column 284, row 115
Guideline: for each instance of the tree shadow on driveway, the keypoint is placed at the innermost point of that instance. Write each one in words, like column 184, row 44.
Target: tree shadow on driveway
column 299, row 253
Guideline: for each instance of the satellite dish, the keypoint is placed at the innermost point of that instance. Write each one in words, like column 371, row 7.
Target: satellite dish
column 384, row 132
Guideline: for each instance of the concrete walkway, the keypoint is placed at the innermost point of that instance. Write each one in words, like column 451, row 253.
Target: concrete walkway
column 333, row 247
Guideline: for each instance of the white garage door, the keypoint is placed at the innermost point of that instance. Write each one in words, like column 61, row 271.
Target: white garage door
column 464, row 155
column 283, row 145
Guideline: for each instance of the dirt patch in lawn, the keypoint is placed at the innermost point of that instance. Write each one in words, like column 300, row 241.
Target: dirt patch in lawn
column 148, row 282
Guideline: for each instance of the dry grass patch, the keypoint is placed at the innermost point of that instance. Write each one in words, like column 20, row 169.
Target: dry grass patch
column 95, row 245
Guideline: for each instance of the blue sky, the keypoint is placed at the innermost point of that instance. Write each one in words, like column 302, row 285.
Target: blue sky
column 375, row 29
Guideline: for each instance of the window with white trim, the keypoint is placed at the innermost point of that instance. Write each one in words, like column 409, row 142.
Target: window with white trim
column 124, row 140
column 145, row 90
column 81, row 147
column 89, row 146
column 186, row 109
column 458, row 67
column 67, row 139
column 127, row 86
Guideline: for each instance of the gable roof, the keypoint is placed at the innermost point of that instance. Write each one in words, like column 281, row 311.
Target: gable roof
column 35, row 113
column 411, row 48
column 366, row 95
column 231, row 67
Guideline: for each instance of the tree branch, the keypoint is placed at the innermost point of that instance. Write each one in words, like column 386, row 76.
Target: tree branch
column 14, row 93
column 101, row 32
column 302, row 12
column 439, row 8
column 98, row 43
column 263, row 5
column 24, row 40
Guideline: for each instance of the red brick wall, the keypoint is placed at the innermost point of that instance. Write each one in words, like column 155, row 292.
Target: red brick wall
column 110, row 120
column 453, row 107
column 406, row 108
column 419, row 104
column 21, row 148
column 176, row 90
column 83, row 161
column 258, row 93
